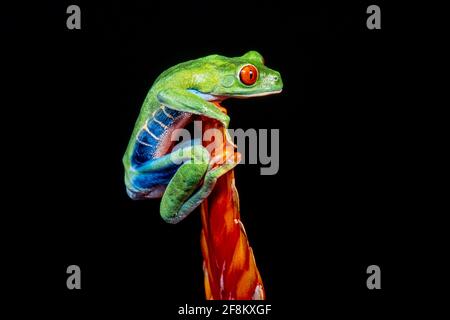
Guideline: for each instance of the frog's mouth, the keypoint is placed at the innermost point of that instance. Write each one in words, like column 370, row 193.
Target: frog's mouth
column 239, row 95
column 243, row 95
column 253, row 95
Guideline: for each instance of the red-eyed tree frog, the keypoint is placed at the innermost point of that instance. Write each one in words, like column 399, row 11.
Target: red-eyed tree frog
column 186, row 176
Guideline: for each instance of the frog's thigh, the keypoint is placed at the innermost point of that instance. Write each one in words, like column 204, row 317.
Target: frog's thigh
column 148, row 180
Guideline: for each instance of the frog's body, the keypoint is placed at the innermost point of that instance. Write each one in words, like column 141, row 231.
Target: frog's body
column 184, row 177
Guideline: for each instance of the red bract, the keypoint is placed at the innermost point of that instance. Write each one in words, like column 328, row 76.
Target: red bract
column 230, row 271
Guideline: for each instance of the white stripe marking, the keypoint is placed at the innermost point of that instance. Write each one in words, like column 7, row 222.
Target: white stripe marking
column 160, row 123
column 167, row 114
column 145, row 144
column 150, row 133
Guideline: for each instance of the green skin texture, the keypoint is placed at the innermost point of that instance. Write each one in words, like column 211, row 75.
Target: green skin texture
column 214, row 75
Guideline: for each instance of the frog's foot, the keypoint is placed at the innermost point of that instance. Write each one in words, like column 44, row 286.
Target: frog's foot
column 175, row 211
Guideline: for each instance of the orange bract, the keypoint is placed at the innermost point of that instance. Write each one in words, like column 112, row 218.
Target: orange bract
column 230, row 270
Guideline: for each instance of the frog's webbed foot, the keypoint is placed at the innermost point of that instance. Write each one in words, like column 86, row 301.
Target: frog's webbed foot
column 175, row 211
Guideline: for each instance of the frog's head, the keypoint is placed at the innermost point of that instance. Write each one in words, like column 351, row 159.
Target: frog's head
column 244, row 77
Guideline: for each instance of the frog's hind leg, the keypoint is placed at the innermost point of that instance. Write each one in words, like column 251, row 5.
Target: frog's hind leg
column 189, row 177
column 149, row 179
column 181, row 171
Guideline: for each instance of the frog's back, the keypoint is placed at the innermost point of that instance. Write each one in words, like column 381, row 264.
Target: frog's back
column 177, row 75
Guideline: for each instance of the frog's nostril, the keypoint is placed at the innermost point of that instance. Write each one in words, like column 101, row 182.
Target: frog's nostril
column 275, row 78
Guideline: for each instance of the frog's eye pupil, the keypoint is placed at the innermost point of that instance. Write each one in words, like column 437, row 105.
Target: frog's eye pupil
column 248, row 74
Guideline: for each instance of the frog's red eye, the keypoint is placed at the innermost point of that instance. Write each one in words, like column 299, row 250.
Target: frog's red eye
column 248, row 74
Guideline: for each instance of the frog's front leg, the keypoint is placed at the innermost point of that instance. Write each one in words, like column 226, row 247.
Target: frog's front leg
column 188, row 101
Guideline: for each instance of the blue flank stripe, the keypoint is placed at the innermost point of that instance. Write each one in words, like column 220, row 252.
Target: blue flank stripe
column 143, row 153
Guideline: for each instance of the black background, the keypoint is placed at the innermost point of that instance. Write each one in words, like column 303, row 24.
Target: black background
column 341, row 201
